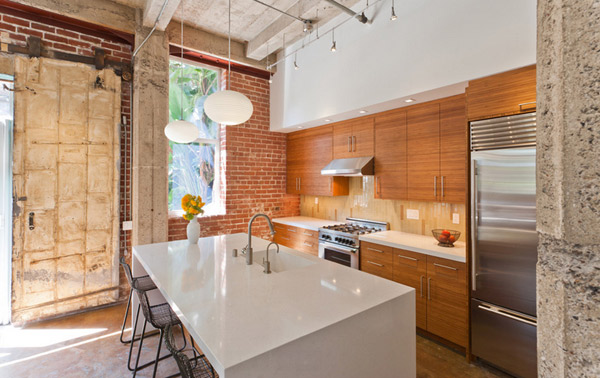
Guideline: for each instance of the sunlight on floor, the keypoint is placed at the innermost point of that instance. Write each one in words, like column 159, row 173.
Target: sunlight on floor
column 13, row 337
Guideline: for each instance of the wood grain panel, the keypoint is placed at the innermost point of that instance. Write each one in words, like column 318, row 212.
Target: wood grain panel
column 423, row 148
column 453, row 150
column 342, row 137
column 363, row 132
column 447, row 305
column 390, row 155
column 376, row 259
column 501, row 94
column 410, row 269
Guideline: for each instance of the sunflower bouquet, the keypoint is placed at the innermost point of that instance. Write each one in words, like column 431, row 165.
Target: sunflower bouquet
column 192, row 205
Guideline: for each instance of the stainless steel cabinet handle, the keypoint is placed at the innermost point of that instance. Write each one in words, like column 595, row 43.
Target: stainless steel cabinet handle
column 31, row 222
column 349, row 144
column 307, row 244
column 435, row 186
column 444, row 266
column 508, row 315
column 299, row 183
column 283, row 237
column 525, row 103
column 374, row 263
column 474, row 222
column 428, row 288
column 442, row 186
column 408, row 258
column 291, row 230
column 307, row 233
column 375, row 250
column 354, row 143
column 421, row 280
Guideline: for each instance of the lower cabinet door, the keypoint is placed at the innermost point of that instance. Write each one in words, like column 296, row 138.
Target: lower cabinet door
column 447, row 301
column 410, row 269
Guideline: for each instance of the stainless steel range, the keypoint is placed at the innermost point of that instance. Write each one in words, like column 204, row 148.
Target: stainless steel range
column 339, row 243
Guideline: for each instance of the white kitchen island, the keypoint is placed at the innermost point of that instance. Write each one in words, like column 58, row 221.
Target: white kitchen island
column 310, row 318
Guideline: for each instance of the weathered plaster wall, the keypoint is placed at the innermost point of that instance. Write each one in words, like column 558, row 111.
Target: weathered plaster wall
column 568, row 188
column 66, row 146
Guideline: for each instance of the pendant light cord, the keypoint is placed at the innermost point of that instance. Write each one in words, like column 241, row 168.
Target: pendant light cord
column 181, row 63
column 229, row 49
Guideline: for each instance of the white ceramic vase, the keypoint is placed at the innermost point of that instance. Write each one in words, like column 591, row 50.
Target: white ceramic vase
column 193, row 231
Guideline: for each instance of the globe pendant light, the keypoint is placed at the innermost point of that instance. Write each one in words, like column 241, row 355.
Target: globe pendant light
column 181, row 131
column 228, row 107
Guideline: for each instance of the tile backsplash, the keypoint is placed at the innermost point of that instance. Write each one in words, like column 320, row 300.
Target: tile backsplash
column 361, row 203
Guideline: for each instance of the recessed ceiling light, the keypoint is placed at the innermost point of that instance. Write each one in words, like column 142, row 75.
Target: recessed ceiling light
column 327, row 120
column 362, row 111
column 299, row 127
column 410, row 100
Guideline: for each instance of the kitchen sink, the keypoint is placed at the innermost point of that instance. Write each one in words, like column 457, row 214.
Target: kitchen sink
column 280, row 262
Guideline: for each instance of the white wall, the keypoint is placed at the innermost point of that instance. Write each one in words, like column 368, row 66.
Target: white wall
column 430, row 51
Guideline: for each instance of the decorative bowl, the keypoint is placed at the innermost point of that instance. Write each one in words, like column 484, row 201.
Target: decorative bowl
column 445, row 238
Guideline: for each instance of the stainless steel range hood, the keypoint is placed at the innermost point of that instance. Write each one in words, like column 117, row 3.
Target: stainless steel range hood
column 362, row 166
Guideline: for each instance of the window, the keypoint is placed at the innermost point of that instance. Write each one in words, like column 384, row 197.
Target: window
column 194, row 167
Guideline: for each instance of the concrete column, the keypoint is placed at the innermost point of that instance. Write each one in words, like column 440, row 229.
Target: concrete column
column 568, row 191
column 150, row 116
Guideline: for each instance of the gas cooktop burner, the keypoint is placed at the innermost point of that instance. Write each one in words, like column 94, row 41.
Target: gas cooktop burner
column 347, row 233
column 352, row 228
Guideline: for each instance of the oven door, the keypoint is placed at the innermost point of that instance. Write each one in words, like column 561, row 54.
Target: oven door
column 347, row 256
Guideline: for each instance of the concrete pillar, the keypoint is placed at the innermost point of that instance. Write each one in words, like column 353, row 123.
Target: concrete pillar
column 150, row 116
column 568, row 191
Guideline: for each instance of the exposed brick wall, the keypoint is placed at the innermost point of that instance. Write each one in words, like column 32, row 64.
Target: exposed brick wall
column 253, row 168
column 16, row 30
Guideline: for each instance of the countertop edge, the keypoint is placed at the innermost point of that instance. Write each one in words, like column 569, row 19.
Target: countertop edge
column 408, row 247
column 304, row 224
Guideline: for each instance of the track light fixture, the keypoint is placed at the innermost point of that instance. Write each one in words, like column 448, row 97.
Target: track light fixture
column 333, row 46
column 393, row 17
column 296, row 64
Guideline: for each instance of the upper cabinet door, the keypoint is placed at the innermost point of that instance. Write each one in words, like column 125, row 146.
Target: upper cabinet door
column 390, row 155
column 295, row 145
column 363, row 137
column 423, row 146
column 507, row 93
column 342, row 140
column 453, row 150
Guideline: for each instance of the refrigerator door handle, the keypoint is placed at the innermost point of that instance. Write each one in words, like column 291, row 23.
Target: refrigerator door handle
column 514, row 316
column 475, row 221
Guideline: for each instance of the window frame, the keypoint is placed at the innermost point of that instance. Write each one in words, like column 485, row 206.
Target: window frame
column 216, row 207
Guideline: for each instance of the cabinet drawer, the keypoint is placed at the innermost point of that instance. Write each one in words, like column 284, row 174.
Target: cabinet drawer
column 308, row 233
column 283, row 239
column 280, row 228
column 376, row 252
column 376, row 267
column 309, row 245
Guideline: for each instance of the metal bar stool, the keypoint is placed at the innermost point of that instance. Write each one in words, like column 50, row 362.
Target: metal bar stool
column 141, row 282
column 160, row 316
column 200, row 368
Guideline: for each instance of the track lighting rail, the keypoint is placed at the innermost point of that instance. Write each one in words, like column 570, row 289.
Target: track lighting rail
column 359, row 16
column 283, row 12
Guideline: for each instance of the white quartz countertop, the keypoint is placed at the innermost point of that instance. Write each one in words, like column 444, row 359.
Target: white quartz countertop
column 418, row 243
column 306, row 222
column 236, row 312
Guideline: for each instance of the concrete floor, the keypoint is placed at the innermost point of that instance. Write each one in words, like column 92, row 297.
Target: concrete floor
column 87, row 345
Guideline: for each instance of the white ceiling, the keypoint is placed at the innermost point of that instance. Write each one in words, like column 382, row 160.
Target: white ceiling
column 252, row 23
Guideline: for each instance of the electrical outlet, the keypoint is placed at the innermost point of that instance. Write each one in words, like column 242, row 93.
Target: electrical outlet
column 128, row 225
column 412, row 214
column 455, row 218
column 316, row 200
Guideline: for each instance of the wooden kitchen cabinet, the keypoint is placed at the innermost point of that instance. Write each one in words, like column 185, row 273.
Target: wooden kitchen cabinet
column 440, row 287
column 423, row 148
column 353, row 138
column 447, row 300
column 507, row 93
column 298, row 238
column 454, row 143
column 309, row 151
column 437, row 143
column 390, row 155
column 410, row 269
column 376, row 259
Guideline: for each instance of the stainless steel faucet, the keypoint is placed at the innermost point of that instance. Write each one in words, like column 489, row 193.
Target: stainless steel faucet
column 266, row 263
column 249, row 246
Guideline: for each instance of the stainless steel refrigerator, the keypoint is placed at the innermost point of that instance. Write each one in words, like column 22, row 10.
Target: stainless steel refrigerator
column 504, row 243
